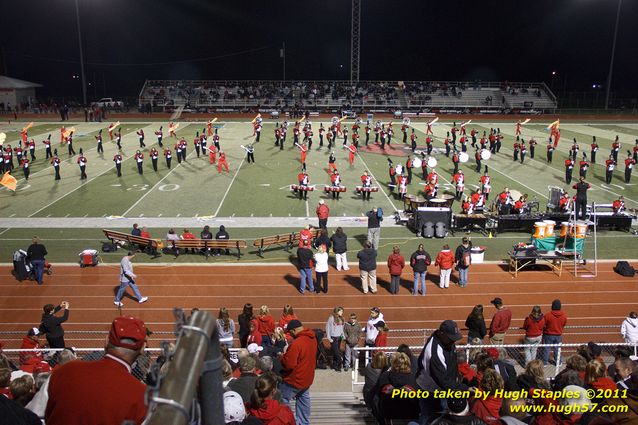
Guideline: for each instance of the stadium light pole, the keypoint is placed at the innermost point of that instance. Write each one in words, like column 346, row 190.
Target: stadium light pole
column 77, row 18
column 613, row 53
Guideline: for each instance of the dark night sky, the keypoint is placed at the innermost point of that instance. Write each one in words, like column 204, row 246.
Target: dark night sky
column 511, row 40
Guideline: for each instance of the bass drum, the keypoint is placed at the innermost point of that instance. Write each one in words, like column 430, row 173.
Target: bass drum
column 485, row 154
column 417, row 163
column 432, row 162
column 464, row 157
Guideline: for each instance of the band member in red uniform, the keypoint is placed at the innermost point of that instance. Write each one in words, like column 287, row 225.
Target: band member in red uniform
column 408, row 168
column 257, row 131
column 184, row 145
column 550, row 151
column 295, row 134
column 519, row 206
column 250, row 153
column 344, row 132
column 477, row 158
column 569, row 168
column 212, row 154
column 430, row 190
column 594, row 149
column 446, row 142
column 56, row 166
column 404, row 130
column 47, row 147
column 18, row 152
column 222, row 162
column 428, row 130
column 154, row 154
column 98, row 138
column 413, row 138
column 615, row 148
column 392, row 172
column 532, row 146
column 209, row 127
column 335, row 181
column 610, row 164
column 564, row 204
column 197, row 143
column 433, row 177
column 377, row 131
column 82, row 163
column 403, row 186
column 467, row 207
column 366, row 182
column 455, row 161
column 523, row 150
column 352, row 150
column 428, row 145
column 69, row 144
column 32, row 149
column 118, row 139
column 367, row 130
column 382, row 135
column 168, row 156
column 277, row 134
column 463, row 141
column 459, row 183
column 583, row 166
column 618, row 205
column 505, row 202
column 330, row 138
column 486, row 184
column 139, row 159
column 517, row 147
column 331, row 162
column 462, row 131
column 355, row 139
column 178, row 151
column 629, row 165
column 636, row 151
column 473, row 134
column 303, row 150
column 216, row 140
column 574, row 150
column 518, row 128
column 110, row 129
column 118, row 163
column 25, row 167
column 63, row 130
column 304, row 181
column 453, row 131
column 140, row 136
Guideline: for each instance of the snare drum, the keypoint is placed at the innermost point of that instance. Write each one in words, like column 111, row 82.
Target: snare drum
column 437, row 202
column 449, row 200
column 539, row 230
column 549, row 230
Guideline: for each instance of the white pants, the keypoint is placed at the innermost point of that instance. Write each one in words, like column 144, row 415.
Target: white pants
column 342, row 261
column 445, row 278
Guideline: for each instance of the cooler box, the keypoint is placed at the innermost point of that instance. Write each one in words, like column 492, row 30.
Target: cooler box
column 88, row 258
column 477, row 254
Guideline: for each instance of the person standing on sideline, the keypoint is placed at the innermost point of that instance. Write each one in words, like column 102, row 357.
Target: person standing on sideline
column 396, row 263
column 368, row 268
column 321, row 269
column 581, row 198
column 51, row 325
column 304, row 255
column 533, row 325
column 555, row 322
column 463, row 259
column 36, row 253
column 322, row 214
column 475, row 324
column 374, row 226
column 420, row 260
column 299, row 361
column 629, row 328
column 500, row 322
column 334, row 333
column 445, row 261
column 352, row 334
column 340, row 248
column 127, row 278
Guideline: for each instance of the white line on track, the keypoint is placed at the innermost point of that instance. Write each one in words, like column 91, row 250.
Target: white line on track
column 228, row 188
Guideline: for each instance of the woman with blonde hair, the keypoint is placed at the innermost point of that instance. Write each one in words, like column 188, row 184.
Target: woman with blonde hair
column 287, row 315
column 398, row 376
column 371, row 372
column 534, row 376
column 226, row 327
column 334, row 333
column 596, row 378
column 265, row 325
column 488, row 408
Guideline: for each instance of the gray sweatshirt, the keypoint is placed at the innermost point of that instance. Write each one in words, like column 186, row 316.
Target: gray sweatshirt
column 333, row 330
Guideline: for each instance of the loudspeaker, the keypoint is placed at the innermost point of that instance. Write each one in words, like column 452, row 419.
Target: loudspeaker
column 428, row 230
column 440, row 230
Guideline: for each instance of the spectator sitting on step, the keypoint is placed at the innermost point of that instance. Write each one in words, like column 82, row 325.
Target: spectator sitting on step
column 245, row 383
column 263, row 404
column 5, row 380
column 22, row 390
column 371, row 372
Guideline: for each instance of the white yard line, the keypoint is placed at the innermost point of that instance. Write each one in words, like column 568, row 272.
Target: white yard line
column 307, row 209
column 378, row 183
column 228, row 188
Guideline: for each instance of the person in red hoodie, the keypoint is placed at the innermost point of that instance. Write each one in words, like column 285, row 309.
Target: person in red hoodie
column 287, row 315
column 466, row 373
column 396, row 263
column 500, row 322
column 488, row 408
column 265, row 325
column 596, row 378
column 299, row 362
column 533, row 325
column 263, row 405
column 445, row 260
column 31, row 341
column 382, row 337
column 555, row 322
column 254, row 337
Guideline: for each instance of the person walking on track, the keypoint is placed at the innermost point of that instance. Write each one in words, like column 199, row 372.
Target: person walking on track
column 127, row 278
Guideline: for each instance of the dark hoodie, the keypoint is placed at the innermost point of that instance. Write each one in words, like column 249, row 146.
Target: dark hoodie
column 555, row 322
column 222, row 234
column 272, row 412
column 299, row 361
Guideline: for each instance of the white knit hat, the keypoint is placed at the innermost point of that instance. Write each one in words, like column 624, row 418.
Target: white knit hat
column 234, row 410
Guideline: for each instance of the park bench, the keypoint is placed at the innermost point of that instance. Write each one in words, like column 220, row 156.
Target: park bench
column 208, row 244
column 150, row 246
column 287, row 240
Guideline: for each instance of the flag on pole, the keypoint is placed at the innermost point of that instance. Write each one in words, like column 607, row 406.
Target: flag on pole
column 9, row 182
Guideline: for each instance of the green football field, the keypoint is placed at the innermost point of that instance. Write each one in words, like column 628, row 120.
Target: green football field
column 258, row 195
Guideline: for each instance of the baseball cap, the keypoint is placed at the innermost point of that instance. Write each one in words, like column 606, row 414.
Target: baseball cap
column 451, row 330
column 497, row 301
column 456, row 405
column 234, row 410
column 254, row 348
column 33, row 332
column 128, row 328
column 293, row 324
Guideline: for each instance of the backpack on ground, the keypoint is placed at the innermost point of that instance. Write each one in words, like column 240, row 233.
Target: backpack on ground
column 623, row 268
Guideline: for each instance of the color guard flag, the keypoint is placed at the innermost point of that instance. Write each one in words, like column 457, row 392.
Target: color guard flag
column 27, row 127
column 9, row 182
column 3, row 136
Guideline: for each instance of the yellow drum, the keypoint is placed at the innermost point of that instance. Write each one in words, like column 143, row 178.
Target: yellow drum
column 539, row 230
column 581, row 229
column 566, row 229
column 549, row 231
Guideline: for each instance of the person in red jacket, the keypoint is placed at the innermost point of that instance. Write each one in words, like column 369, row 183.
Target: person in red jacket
column 265, row 325
column 254, row 337
column 533, row 325
column 488, row 408
column 555, row 322
column 263, row 405
column 396, row 263
column 74, row 399
column 31, row 342
column 323, row 211
column 445, row 261
column 382, row 336
column 299, row 362
column 500, row 322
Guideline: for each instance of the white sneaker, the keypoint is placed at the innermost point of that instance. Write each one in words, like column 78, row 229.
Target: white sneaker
column 143, row 300
column 117, row 303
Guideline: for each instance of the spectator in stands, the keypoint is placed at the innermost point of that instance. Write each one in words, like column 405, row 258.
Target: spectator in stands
column 382, row 335
column 38, row 403
column 466, row 372
column 533, row 325
column 396, row 263
column 475, row 323
column 235, row 411
column 206, row 234
column 304, row 255
column 36, row 253
column 352, row 334
column 254, row 336
column 5, row 380
column 299, row 362
column 399, row 376
column 555, row 322
column 630, row 415
column 265, row 364
column 575, row 364
column 321, row 268
column 533, row 377
column 245, row 384
column 445, row 261
column 145, row 233
column 265, row 325
column 73, row 396
column 504, row 367
column 340, row 248
column 222, row 235
column 51, row 325
column 371, row 372
column 287, row 315
column 334, row 333
column 500, row 322
column 463, row 259
column 438, row 368
column 31, row 342
column 371, row 329
column 22, row 390
column 420, row 260
column 227, row 374
column 264, row 406
column 226, row 327
column 322, row 239
column 14, row 414
column 629, row 328
column 596, row 378
column 624, row 368
column 405, row 349
column 171, row 237
column 458, row 412
column 244, row 320
column 487, row 408
column 368, row 268
column 136, row 231
column 188, row 236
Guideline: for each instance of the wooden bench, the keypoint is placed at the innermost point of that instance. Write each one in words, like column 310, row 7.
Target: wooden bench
column 287, row 240
column 209, row 244
column 135, row 242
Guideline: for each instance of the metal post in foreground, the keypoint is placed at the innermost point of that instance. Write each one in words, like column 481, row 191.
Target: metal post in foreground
column 210, row 384
column 178, row 387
